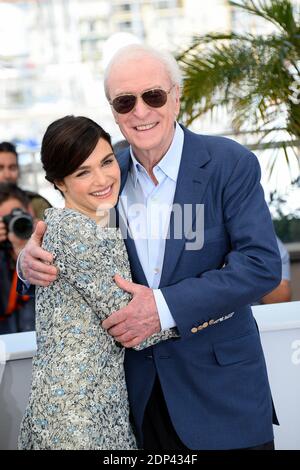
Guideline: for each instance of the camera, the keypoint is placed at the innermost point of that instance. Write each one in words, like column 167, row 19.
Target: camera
column 20, row 223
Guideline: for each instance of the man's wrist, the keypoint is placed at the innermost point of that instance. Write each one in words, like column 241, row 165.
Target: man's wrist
column 19, row 268
column 165, row 316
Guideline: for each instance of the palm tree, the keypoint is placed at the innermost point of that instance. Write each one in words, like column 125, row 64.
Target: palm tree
column 255, row 77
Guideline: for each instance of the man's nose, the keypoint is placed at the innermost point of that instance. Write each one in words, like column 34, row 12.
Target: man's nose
column 141, row 109
column 8, row 176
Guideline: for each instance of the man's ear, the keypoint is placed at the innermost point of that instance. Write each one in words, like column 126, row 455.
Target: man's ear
column 177, row 99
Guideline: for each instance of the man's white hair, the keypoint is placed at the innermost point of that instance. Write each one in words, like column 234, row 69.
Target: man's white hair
column 138, row 50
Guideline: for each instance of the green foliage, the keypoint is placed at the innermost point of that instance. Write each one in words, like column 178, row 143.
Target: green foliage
column 287, row 229
column 287, row 226
column 253, row 76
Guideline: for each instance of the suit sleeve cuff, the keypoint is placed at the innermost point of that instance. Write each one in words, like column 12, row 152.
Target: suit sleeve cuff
column 166, row 319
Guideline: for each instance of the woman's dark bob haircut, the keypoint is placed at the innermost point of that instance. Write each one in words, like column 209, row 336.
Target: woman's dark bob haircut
column 67, row 143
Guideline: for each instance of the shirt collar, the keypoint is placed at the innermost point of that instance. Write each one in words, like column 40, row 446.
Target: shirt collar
column 169, row 164
column 136, row 167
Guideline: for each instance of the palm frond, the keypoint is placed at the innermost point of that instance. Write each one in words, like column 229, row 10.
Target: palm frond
column 278, row 12
column 254, row 77
column 250, row 75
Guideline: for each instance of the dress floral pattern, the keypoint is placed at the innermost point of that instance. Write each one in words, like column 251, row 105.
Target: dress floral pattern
column 78, row 397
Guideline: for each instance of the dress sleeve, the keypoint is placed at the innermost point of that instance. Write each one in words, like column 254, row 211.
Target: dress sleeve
column 157, row 338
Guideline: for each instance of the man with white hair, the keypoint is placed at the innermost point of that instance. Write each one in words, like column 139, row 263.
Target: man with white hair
column 207, row 389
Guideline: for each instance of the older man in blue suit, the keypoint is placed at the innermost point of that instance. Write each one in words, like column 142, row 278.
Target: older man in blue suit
column 208, row 388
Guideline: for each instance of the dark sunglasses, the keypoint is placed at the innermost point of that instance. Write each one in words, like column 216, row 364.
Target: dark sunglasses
column 155, row 98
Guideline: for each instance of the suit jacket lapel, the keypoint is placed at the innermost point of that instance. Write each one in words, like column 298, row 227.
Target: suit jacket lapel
column 124, row 163
column 137, row 271
column 191, row 184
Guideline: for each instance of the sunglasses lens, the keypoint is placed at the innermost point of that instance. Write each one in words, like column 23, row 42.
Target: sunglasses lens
column 155, row 98
column 123, row 104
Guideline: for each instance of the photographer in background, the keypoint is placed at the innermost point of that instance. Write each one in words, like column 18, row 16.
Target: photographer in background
column 9, row 173
column 17, row 312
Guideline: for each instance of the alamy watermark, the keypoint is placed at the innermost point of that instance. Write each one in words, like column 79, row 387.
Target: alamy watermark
column 140, row 222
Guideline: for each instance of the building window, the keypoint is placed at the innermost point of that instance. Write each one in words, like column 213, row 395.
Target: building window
column 163, row 5
column 125, row 25
column 125, row 7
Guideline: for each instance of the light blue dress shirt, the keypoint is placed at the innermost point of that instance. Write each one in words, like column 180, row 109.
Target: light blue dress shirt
column 285, row 260
column 147, row 207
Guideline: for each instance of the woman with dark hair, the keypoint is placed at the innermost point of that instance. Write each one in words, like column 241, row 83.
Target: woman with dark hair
column 78, row 397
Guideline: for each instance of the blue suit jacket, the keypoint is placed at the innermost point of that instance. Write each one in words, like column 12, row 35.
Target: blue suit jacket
column 213, row 377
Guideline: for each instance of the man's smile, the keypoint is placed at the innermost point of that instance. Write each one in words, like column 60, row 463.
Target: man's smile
column 145, row 127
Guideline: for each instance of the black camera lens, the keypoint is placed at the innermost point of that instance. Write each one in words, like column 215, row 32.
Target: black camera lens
column 22, row 227
column 20, row 223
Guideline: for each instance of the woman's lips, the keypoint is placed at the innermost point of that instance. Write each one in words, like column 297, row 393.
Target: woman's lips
column 103, row 194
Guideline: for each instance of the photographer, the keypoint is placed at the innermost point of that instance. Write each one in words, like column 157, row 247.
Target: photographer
column 9, row 173
column 16, row 225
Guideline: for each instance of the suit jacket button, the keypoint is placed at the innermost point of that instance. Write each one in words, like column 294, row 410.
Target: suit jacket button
column 205, row 324
column 194, row 330
column 211, row 322
column 200, row 327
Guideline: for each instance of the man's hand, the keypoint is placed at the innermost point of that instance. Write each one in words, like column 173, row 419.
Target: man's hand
column 35, row 262
column 138, row 320
column 3, row 231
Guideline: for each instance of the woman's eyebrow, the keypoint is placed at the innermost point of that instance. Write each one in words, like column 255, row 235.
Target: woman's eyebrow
column 84, row 167
column 110, row 154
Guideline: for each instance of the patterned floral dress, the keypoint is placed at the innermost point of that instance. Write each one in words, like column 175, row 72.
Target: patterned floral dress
column 78, row 397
